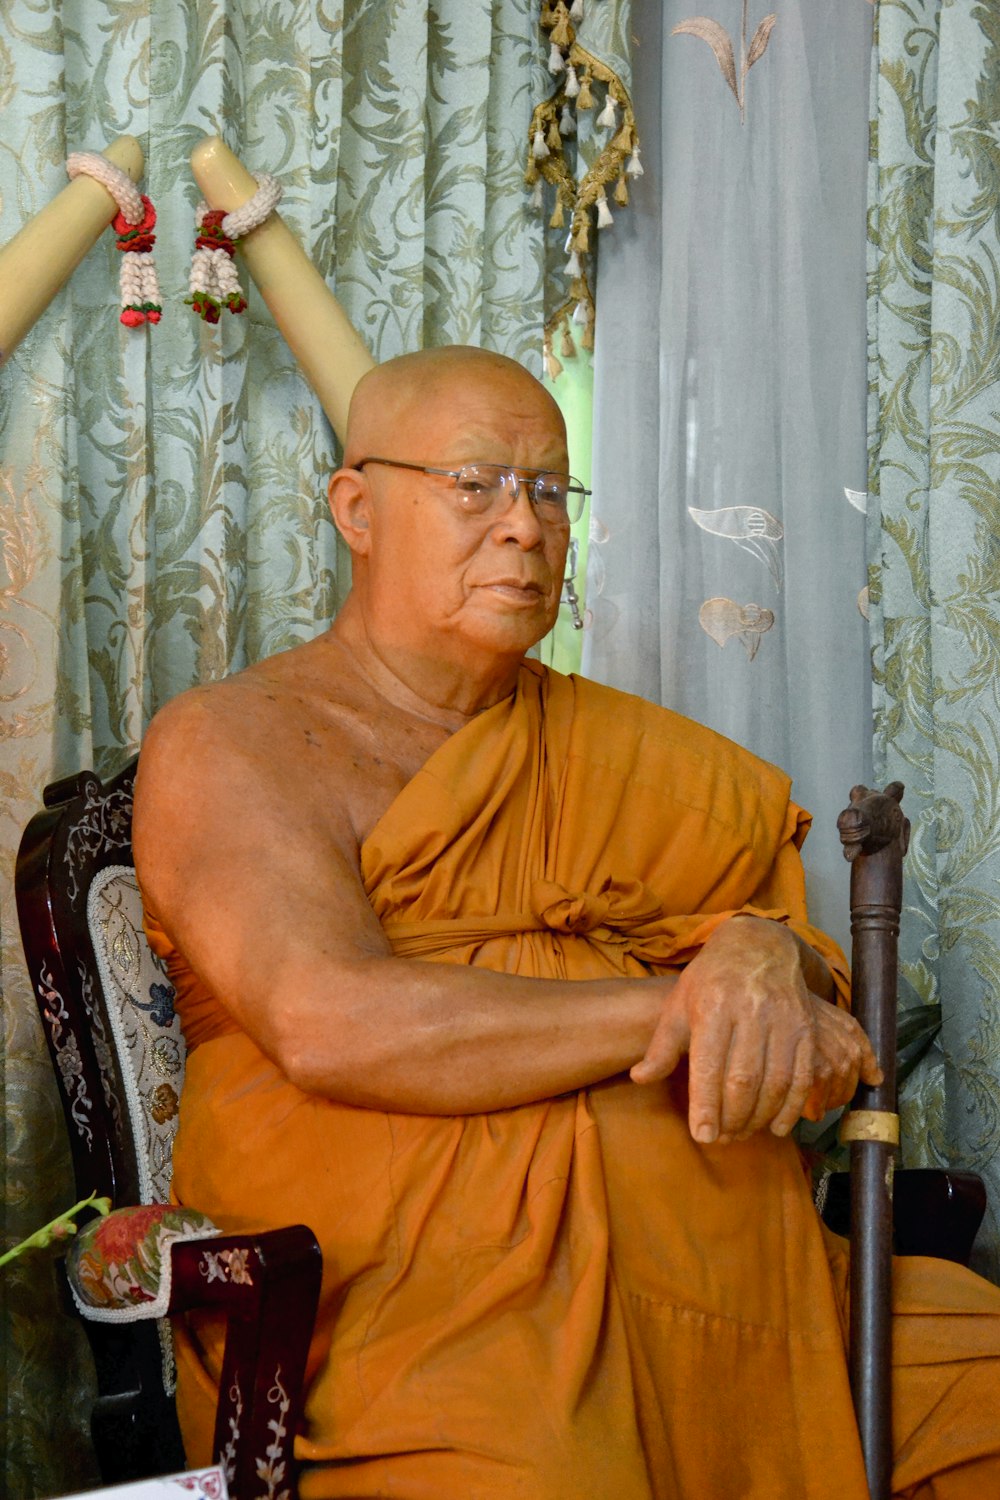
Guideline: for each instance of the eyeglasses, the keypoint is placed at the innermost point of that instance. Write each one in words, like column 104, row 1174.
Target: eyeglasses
column 488, row 489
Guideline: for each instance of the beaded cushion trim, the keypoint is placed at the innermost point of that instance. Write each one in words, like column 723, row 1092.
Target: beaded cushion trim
column 119, row 1266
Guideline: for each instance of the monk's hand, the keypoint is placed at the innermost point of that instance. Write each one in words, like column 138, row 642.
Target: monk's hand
column 763, row 1050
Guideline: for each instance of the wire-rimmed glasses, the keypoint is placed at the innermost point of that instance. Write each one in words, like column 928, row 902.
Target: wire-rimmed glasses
column 488, row 489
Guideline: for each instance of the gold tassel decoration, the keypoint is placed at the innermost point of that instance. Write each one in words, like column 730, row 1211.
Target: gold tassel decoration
column 562, row 31
column 548, row 16
column 553, row 368
column 554, row 140
column 567, row 348
column 581, row 234
column 585, row 99
column 621, row 191
column 558, row 218
column 587, row 337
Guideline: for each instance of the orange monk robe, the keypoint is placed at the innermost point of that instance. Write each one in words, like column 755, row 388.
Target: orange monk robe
column 569, row 1298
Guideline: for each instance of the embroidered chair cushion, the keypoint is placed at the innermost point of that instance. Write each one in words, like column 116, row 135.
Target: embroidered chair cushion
column 145, row 1031
column 119, row 1266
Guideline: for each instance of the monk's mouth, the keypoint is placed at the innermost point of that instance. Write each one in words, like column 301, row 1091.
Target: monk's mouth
column 508, row 586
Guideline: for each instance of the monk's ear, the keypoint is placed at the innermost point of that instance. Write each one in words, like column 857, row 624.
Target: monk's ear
column 350, row 506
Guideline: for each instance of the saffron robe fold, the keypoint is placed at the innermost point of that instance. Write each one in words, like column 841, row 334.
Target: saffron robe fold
column 568, row 1298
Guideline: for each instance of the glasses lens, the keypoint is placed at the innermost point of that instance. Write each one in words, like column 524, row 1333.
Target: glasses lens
column 483, row 487
column 479, row 486
column 560, row 494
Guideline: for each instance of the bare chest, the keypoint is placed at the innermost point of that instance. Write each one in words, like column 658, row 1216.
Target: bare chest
column 357, row 763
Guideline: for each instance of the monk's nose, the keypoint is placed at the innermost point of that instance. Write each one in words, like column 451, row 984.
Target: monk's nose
column 520, row 520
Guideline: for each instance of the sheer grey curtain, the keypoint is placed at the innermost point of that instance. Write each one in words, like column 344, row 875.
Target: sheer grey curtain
column 730, row 448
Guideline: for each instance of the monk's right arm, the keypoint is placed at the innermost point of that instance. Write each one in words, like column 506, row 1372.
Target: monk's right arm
column 254, row 877
column 252, row 885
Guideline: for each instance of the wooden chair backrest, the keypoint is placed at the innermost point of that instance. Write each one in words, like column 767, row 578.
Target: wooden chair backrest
column 105, row 1003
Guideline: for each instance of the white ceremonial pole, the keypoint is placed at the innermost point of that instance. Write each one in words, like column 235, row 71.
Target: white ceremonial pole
column 329, row 350
column 46, row 251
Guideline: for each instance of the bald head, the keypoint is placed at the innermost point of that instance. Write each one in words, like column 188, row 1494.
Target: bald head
column 418, row 391
column 446, row 596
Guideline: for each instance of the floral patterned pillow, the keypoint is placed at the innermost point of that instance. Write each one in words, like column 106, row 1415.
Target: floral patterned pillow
column 119, row 1266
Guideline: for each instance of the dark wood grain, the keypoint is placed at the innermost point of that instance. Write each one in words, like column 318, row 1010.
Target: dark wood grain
column 875, row 834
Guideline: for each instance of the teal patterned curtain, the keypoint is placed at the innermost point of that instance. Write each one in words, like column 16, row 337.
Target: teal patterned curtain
column 934, row 533
column 162, row 513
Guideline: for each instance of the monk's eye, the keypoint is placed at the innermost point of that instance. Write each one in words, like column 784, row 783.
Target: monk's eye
column 551, row 489
column 478, row 486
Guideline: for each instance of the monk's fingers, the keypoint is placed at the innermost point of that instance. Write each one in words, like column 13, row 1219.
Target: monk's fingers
column 709, row 1053
column 849, row 1055
column 807, row 1088
column 751, row 1081
column 792, row 1068
column 668, row 1044
column 838, row 1031
column 869, row 1071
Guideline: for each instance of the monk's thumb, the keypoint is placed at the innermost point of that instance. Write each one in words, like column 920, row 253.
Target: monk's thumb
column 669, row 1044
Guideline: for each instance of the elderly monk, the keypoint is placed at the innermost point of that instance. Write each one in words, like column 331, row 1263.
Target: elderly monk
column 501, row 981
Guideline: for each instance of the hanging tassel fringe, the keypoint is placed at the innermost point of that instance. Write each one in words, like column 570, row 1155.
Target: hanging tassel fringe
column 608, row 116
column 562, row 31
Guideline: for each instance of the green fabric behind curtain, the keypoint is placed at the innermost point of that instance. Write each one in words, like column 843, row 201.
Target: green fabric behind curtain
column 934, row 531
column 162, row 513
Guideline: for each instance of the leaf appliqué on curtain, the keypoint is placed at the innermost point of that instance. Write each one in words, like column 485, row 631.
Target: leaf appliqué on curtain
column 750, row 527
column 717, row 37
column 724, row 618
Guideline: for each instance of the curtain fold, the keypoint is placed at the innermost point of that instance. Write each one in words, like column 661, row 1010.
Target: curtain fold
column 934, row 546
column 730, row 452
column 162, row 493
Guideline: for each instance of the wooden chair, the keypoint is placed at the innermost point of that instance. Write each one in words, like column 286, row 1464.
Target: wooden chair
column 118, row 1055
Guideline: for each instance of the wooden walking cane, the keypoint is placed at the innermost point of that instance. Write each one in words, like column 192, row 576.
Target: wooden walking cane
column 875, row 835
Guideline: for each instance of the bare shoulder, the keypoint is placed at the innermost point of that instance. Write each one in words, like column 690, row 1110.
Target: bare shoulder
column 232, row 758
column 298, row 743
column 244, row 827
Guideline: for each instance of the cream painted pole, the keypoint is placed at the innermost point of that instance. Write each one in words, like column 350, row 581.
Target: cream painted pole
column 42, row 255
column 330, row 352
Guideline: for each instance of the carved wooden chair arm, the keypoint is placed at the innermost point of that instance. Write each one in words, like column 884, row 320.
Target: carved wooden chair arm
column 144, row 1263
column 268, row 1286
